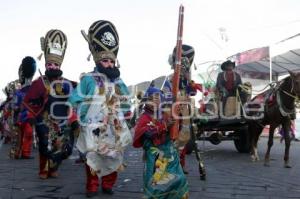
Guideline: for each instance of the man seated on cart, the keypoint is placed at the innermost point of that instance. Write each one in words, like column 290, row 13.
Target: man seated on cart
column 228, row 82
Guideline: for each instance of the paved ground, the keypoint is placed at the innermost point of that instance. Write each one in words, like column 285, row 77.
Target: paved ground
column 229, row 175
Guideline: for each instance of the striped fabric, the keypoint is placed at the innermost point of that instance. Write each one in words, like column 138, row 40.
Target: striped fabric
column 54, row 45
column 103, row 40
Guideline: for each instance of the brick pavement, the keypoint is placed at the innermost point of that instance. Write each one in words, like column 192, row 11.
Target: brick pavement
column 230, row 175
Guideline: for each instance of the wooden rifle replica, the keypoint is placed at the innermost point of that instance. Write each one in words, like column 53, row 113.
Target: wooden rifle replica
column 174, row 132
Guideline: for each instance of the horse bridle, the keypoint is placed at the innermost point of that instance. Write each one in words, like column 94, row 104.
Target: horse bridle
column 290, row 94
column 283, row 110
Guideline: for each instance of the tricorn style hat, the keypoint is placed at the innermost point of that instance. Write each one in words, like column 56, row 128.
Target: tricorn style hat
column 103, row 40
column 151, row 90
column 187, row 52
column 27, row 69
column 54, row 45
column 227, row 63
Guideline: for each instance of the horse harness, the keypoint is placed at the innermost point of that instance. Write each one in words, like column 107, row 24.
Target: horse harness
column 284, row 111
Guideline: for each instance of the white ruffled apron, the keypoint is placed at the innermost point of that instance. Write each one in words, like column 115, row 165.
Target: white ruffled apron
column 100, row 139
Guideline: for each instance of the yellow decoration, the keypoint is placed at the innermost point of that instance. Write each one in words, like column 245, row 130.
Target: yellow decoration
column 101, row 90
column 58, row 89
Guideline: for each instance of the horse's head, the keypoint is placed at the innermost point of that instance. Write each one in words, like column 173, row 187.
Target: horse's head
column 295, row 83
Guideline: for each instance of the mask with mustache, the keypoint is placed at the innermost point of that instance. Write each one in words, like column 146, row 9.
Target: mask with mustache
column 111, row 73
column 53, row 73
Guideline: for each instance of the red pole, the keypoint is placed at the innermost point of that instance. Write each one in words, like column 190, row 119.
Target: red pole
column 175, row 82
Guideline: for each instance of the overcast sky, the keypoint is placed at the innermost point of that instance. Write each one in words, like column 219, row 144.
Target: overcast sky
column 147, row 31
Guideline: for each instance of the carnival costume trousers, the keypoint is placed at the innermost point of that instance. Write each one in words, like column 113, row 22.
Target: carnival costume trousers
column 92, row 184
column 49, row 161
column 182, row 156
column 26, row 139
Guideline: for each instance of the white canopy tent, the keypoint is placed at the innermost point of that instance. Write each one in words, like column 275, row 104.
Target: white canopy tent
column 270, row 62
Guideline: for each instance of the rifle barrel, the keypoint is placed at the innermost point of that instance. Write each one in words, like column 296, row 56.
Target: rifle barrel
column 174, row 133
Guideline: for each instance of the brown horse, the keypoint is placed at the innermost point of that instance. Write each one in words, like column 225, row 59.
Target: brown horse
column 278, row 109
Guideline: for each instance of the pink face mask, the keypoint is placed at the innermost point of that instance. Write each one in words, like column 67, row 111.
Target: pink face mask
column 53, row 66
column 107, row 63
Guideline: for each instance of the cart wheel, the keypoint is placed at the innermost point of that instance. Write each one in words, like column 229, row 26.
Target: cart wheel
column 243, row 143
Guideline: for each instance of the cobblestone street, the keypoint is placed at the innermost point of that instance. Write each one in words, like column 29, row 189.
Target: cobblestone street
column 229, row 175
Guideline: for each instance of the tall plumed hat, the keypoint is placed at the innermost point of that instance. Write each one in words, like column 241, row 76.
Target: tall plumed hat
column 27, row 69
column 227, row 63
column 103, row 40
column 187, row 55
column 54, row 46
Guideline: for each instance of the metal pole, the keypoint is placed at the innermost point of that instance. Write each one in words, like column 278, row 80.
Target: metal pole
column 270, row 58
